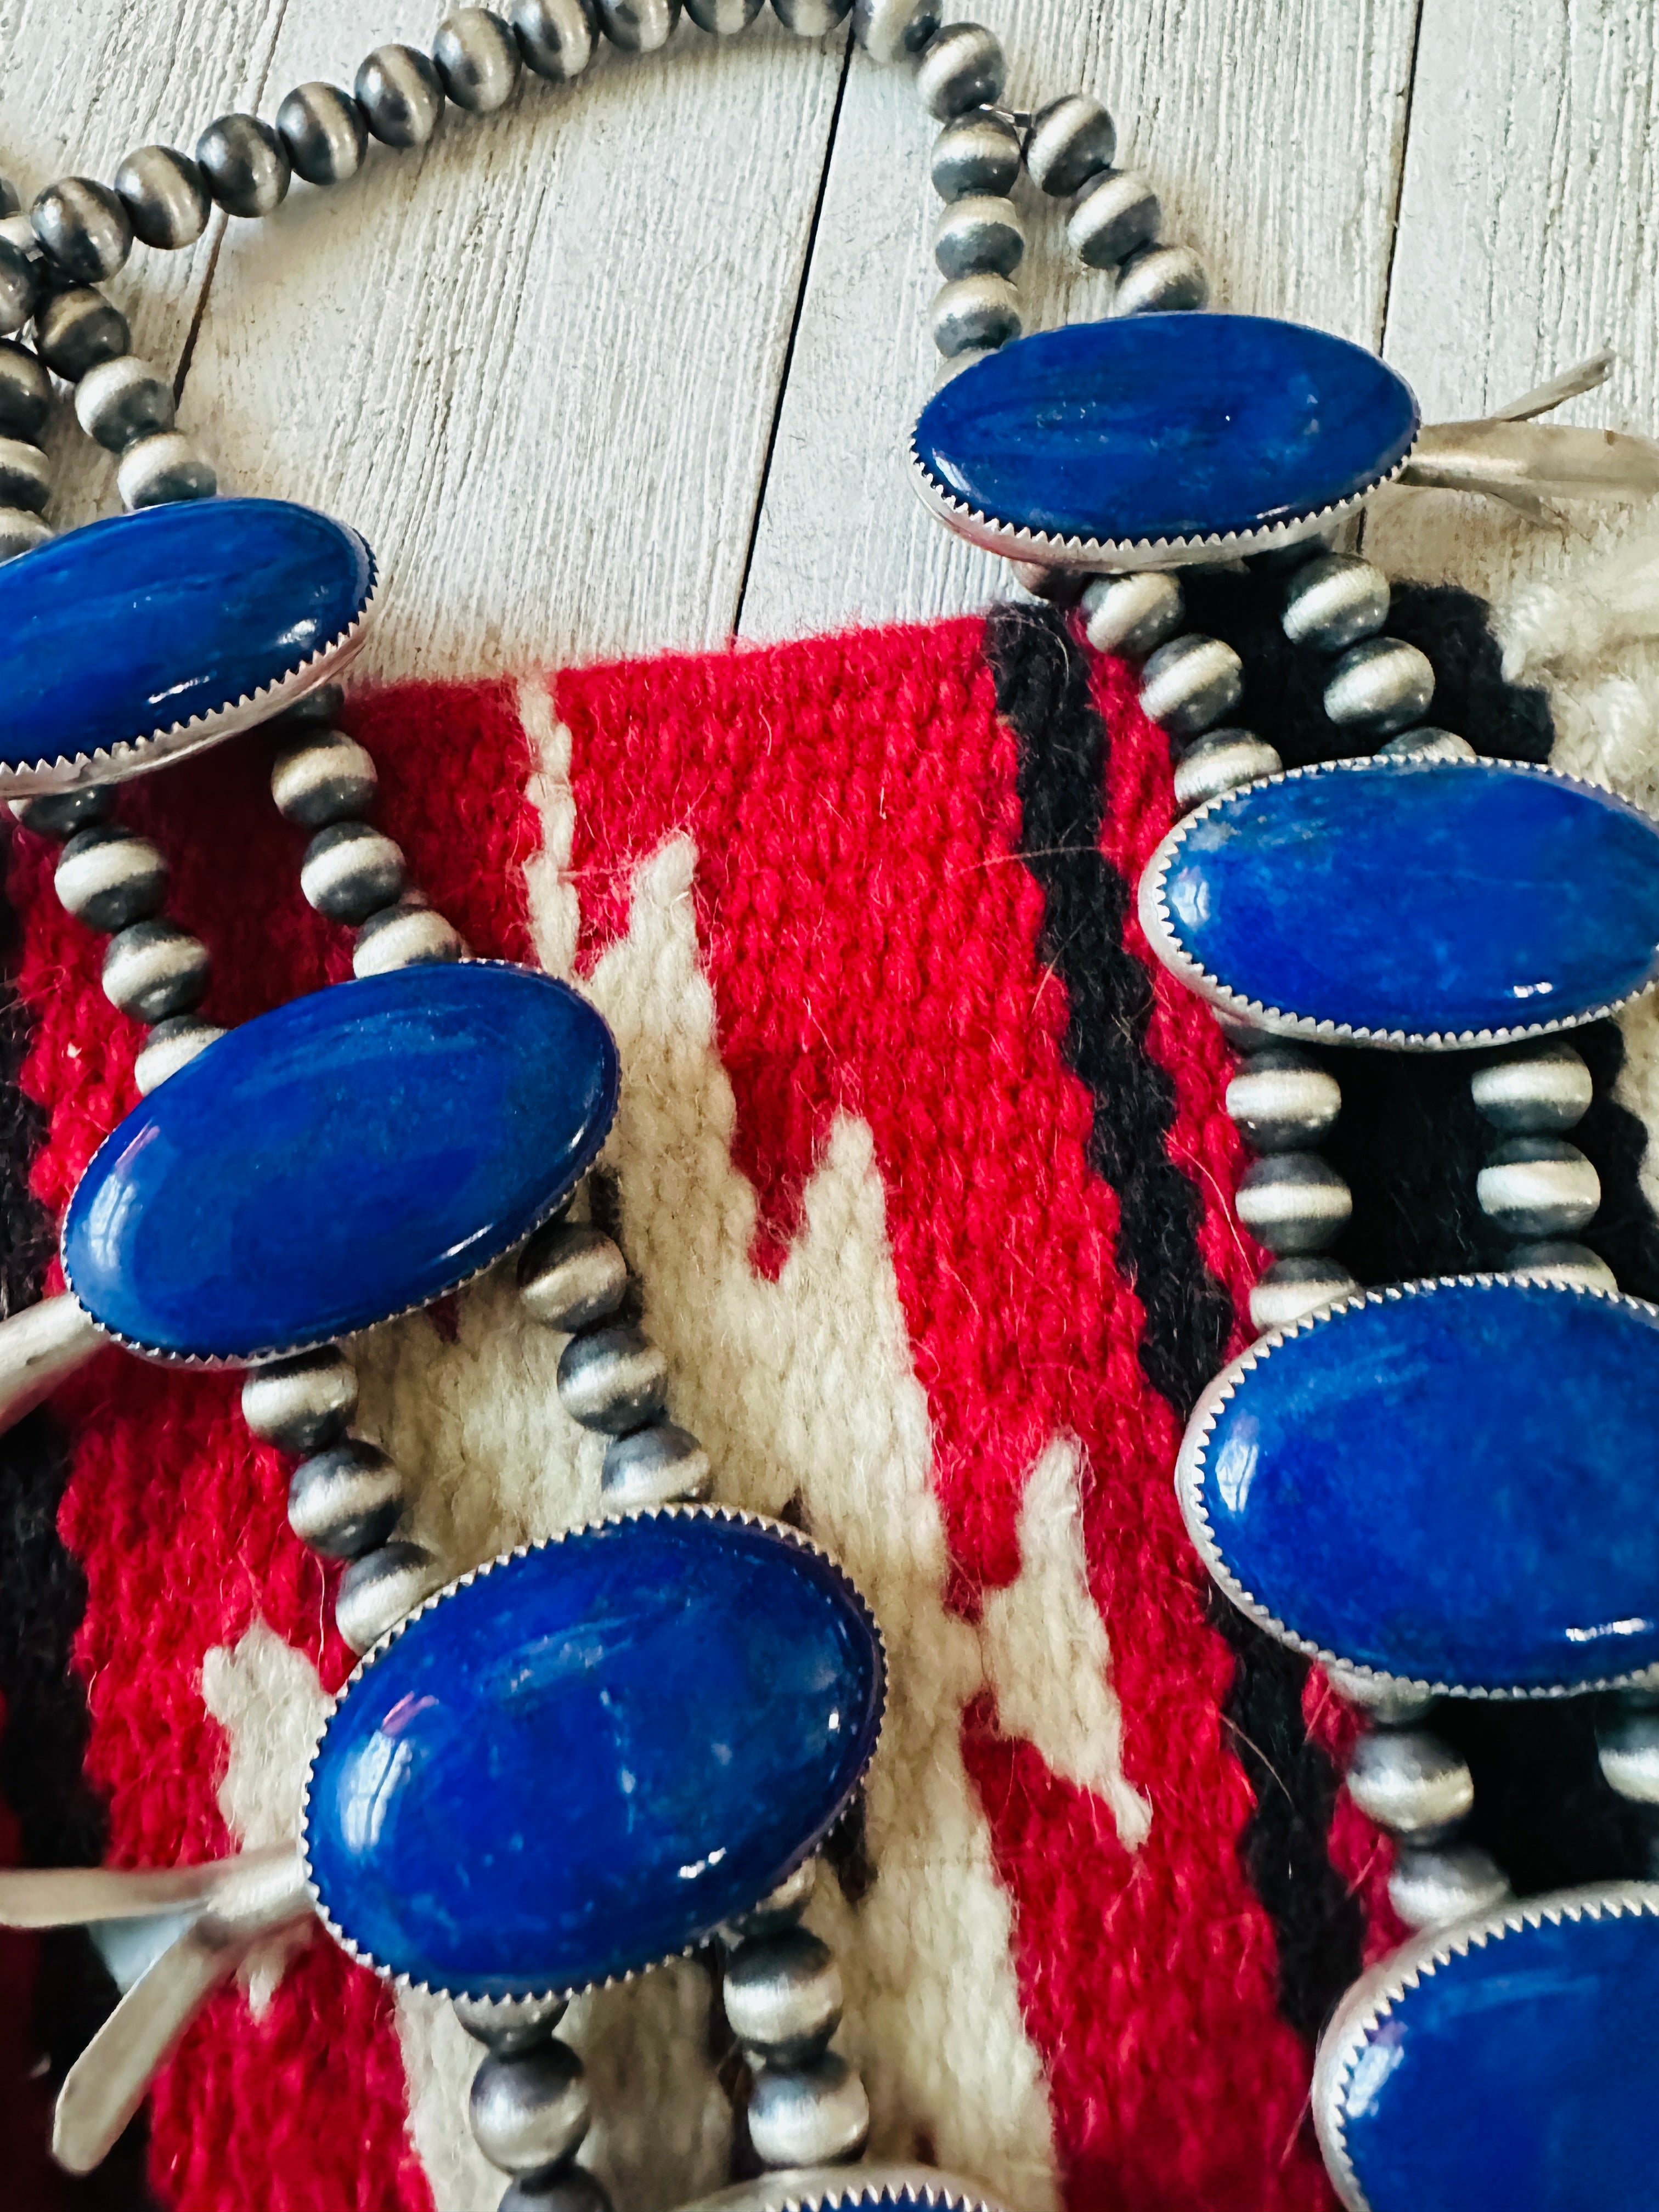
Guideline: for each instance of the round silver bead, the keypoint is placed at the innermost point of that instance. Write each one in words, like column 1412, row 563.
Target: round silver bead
column 301, row 1403
column 61, row 813
column 1433, row 1887
column 571, row 1276
column 1224, row 760
column 1190, row 684
column 566, row 2189
column 155, row 471
column 975, row 157
column 1161, row 280
column 344, row 1500
column 74, row 331
column 1539, row 1187
column 1062, row 587
column 977, row 235
column 1409, row 1782
column 976, row 315
column 24, row 393
column 783, row 1996
column 378, row 1589
column 120, row 401
column 1071, row 141
column 1427, row 744
column 1534, row 1093
column 1385, row 1704
column 1294, row 1202
column 1115, row 217
column 164, row 196
column 476, row 59
column 556, row 37
column 779, row 1909
column 18, row 288
column 25, row 475
column 21, row 532
column 155, row 968
column 613, row 1379
column 961, row 67
column 1291, row 1289
column 530, row 2109
column 1132, row 616
column 723, row 19
column 1334, row 601
column 1284, row 1101
column 814, row 2114
column 245, row 165
column 108, row 877
column 398, row 89
column 323, row 778
column 892, row 30
column 17, row 232
column 639, row 27
column 1628, row 1746
column 408, row 933
column 1563, row 1262
column 325, row 131
column 319, row 708
column 812, row 19
column 1381, row 684
column 659, row 1466
column 352, row 870
column 171, row 1045
column 84, row 226
column 509, row 2024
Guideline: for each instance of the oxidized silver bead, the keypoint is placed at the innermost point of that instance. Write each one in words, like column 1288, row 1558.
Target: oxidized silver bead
column 509, row 2024
column 1284, row 1101
column 1427, row 744
column 1070, row 141
column 476, row 59
column 566, row 2189
column 1062, row 587
column 1224, row 760
column 571, row 1276
column 155, row 471
column 975, row 157
column 815, row 2115
column 974, row 313
column 325, row 132
column 378, row 1589
column 1533, row 1187
column 346, row 1499
column 1161, row 280
column 24, row 393
column 639, row 27
column 783, row 1996
column 245, row 165
column 723, row 19
column 1382, row 685
column 108, row 877
column 351, row 870
column 979, row 234
column 164, row 195
column 1293, row 1288
column 556, row 37
column 322, row 779
column 120, row 401
column 303, row 1402
column 74, row 331
column 61, row 813
column 1628, row 1746
column 812, row 19
column 171, row 1045
column 659, row 1466
column 84, row 226
column 1563, row 1263
column 18, row 288
column 398, row 91
column 21, row 532
column 408, row 933
column 1534, row 1093
column 17, row 232
column 1190, row 684
column 779, row 1909
column 316, row 709
column 531, row 2109
column 1294, row 1202
column 1409, row 1782
column 892, row 30
column 1115, row 217
column 1334, row 601
column 25, row 475
column 613, row 1379
column 1430, row 1888
column 961, row 67
column 155, row 968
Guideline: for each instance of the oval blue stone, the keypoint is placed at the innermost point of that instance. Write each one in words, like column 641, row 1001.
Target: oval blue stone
column 349, row 1156
column 1160, row 428
column 1520, row 2073
column 133, row 626
column 585, row 1759
column 1410, row 901
column 1452, row 1484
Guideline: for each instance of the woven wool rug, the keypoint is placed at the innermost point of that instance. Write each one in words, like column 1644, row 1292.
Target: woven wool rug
column 922, row 1167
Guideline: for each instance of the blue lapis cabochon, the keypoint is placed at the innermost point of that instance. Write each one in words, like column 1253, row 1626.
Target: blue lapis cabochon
column 1508, row 2063
column 582, row 1759
column 1448, row 1482
column 1409, row 902
column 344, row 1159
column 1128, row 443
column 141, row 637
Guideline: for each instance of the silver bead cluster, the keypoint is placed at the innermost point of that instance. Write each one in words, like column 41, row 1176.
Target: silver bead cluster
column 1377, row 686
column 1116, row 217
column 530, row 2105
column 25, row 477
column 1290, row 1199
column 1535, row 1186
column 979, row 240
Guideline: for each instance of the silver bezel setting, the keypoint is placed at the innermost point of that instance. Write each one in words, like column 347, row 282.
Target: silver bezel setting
column 1159, row 924
column 736, row 1515
column 1375, row 1995
column 847, row 2188
column 1191, row 1467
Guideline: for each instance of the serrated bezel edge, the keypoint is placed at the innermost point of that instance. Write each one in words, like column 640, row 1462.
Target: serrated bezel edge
column 842, row 2189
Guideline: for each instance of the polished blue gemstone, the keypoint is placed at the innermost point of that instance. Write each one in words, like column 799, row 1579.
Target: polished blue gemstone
column 1409, row 899
column 1160, row 426
column 132, row 626
column 1519, row 2075
column 1456, row 1484
column 349, row 1156
column 587, row 1759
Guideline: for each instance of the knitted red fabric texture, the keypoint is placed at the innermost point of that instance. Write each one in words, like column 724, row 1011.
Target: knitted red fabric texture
column 871, row 942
